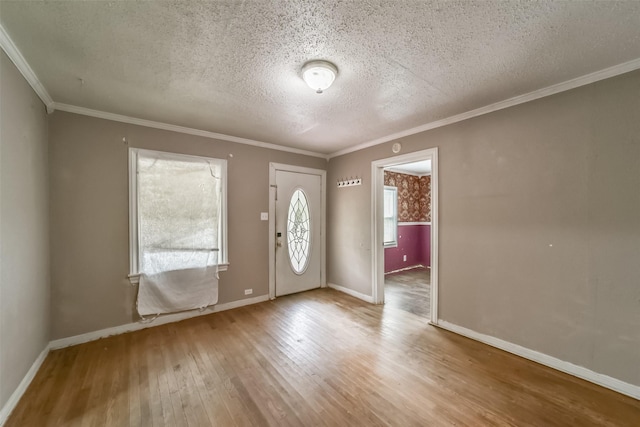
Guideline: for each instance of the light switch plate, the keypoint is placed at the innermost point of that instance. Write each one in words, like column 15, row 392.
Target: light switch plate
column 264, row 216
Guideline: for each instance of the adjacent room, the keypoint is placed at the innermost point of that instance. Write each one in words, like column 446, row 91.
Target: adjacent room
column 296, row 213
column 407, row 240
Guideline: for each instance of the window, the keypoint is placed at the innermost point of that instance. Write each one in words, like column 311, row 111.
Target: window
column 298, row 231
column 390, row 216
column 177, row 209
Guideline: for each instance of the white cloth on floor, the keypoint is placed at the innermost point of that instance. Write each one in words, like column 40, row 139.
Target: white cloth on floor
column 177, row 290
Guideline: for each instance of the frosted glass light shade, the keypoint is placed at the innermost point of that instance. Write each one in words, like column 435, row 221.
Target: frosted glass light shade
column 319, row 75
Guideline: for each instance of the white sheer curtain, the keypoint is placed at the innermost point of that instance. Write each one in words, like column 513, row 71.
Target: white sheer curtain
column 390, row 215
column 179, row 212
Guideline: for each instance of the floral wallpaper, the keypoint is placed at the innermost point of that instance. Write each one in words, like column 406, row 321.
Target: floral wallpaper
column 414, row 196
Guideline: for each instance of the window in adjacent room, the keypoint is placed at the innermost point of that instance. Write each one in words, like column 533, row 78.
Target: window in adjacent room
column 177, row 207
column 390, row 216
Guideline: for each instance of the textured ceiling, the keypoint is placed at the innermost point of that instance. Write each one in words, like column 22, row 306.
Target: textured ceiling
column 234, row 67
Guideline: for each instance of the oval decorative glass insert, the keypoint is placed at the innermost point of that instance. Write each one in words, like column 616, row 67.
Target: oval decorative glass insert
column 299, row 232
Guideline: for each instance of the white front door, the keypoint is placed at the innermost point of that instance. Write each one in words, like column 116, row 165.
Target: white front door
column 298, row 219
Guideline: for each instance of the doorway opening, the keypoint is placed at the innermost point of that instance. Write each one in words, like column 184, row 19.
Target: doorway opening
column 407, row 236
column 404, row 232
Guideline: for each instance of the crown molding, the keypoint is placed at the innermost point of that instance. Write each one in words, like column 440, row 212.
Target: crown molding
column 27, row 72
column 180, row 129
column 616, row 70
column 20, row 62
column 16, row 57
column 404, row 172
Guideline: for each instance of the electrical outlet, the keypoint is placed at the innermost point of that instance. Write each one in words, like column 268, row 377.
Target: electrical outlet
column 248, row 291
column 264, row 216
column 404, row 258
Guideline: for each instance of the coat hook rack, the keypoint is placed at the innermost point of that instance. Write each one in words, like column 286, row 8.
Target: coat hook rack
column 350, row 182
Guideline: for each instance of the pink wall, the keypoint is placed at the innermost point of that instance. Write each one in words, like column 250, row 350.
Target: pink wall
column 414, row 241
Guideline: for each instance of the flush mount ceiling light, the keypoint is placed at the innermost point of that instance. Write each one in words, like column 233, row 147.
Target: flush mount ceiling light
column 319, row 75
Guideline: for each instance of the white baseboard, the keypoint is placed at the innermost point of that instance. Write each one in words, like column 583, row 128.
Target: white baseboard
column 162, row 320
column 351, row 292
column 544, row 359
column 22, row 387
column 116, row 330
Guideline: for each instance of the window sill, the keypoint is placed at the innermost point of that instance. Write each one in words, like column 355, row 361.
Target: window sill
column 390, row 245
column 134, row 278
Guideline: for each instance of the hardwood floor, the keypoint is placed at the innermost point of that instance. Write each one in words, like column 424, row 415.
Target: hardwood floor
column 409, row 291
column 316, row 358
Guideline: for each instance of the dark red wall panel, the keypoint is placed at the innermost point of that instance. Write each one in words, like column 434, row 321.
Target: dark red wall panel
column 414, row 241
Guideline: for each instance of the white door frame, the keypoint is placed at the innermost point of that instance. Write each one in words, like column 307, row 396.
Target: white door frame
column 377, row 226
column 273, row 167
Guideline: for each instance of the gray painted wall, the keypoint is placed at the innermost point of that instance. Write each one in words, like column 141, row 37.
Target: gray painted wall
column 89, row 217
column 24, row 228
column 539, row 224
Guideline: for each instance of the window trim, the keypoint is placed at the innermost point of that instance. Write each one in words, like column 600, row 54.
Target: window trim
column 393, row 243
column 134, row 218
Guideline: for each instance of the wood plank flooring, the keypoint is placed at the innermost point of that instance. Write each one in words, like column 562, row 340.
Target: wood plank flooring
column 409, row 290
column 316, row 358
